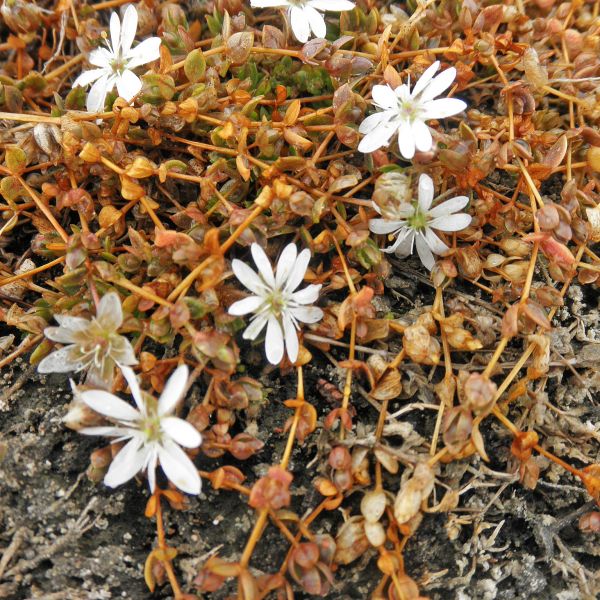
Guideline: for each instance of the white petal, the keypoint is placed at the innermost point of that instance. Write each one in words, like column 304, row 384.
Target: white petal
column 403, row 246
column 375, row 120
column 274, row 341
column 406, row 141
column 247, row 305
column 122, row 352
column 299, row 23
column 145, row 52
column 291, row 339
column 134, row 387
column 308, row 295
column 426, row 191
column 127, row 464
column 298, row 271
column 61, row 361
column 455, row 222
column 109, row 405
column 88, row 77
column 63, row 335
column 285, row 264
column 384, row 96
column 424, row 252
column 442, row 108
column 101, row 57
column 129, row 28
column 422, row 135
column 248, row 277
column 268, row 3
column 449, row 206
column 115, row 32
column 403, row 92
column 109, row 313
column 439, row 84
column 426, row 78
column 104, row 431
column 255, row 327
column 383, row 226
column 179, row 468
column 435, row 244
column 378, row 137
column 316, row 21
column 262, row 262
column 307, row 314
column 97, row 95
column 331, row 5
column 75, row 324
column 129, row 85
column 173, row 390
column 182, row 432
column 150, row 466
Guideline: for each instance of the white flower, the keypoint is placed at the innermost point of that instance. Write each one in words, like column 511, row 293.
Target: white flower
column 115, row 63
column 275, row 303
column 93, row 344
column 417, row 220
column 154, row 435
column 405, row 112
column 304, row 15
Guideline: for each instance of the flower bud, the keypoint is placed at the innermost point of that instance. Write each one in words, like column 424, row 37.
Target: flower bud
column 372, row 505
column 479, row 393
column 573, row 42
column 457, row 427
column 140, row 168
column 590, row 522
column 339, row 458
column 21, row 16
column 593, row 158
column 375, row 533
column 514, row 247
column 90, row 153
column 548, row 217
column 101, row 458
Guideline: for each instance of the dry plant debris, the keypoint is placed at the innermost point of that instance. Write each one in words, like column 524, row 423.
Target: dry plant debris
column 217, row 132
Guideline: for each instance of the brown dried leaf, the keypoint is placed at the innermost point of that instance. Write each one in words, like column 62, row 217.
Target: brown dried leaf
column 238, row 47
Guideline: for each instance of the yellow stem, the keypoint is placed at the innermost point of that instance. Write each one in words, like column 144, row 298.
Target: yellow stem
column 45, row 209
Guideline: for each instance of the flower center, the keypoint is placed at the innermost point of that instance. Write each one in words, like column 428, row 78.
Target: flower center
column 418, row 220
column 409, row 109
column 118, row 65
column 150, row 427
column 277, row 302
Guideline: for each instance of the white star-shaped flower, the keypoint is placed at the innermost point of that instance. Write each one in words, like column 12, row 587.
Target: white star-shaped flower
column 417, row 220
column 275, row 303
column 154, row 434
column 116, row 61
column 92, row 344
column 404, row 112
column 304, row 15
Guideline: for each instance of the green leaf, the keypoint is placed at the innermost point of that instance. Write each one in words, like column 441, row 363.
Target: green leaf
column 195, row 65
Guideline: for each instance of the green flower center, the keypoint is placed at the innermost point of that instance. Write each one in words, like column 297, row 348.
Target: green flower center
column 418, row 220
column 118, row 65
column 151, row 428
column 277, row 302
column 409, row 109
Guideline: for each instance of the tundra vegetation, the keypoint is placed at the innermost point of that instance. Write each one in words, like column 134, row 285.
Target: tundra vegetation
column 390, row 208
